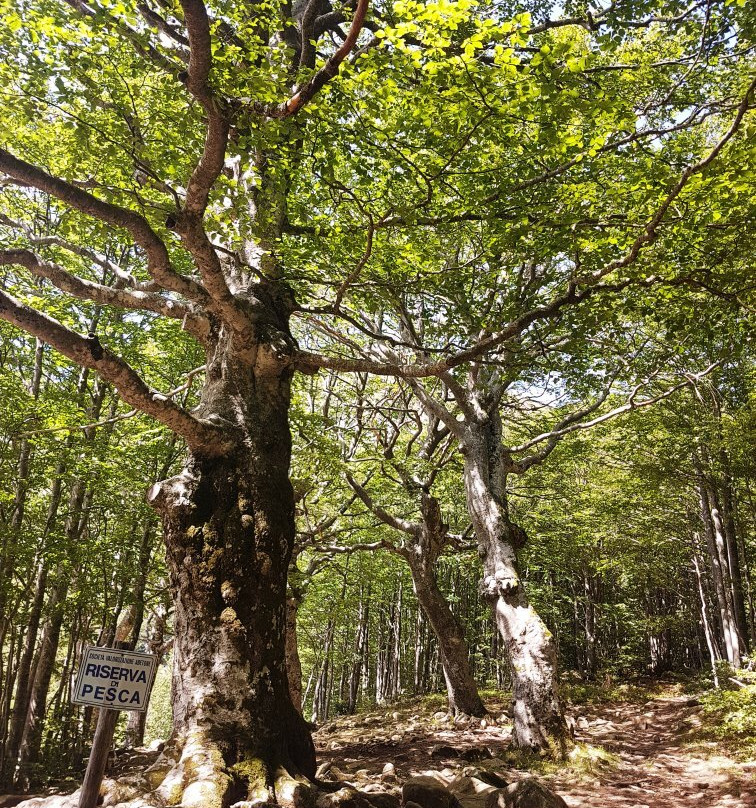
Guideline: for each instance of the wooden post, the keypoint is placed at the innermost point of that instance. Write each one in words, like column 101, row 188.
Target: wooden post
column 98, row 757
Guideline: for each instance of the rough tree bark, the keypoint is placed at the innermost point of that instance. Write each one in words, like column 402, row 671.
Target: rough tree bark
column 293, row 663
column 229, row 532
column 422, row 544
column 461, row 688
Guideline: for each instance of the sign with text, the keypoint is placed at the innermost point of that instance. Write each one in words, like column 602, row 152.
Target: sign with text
column 119, row 680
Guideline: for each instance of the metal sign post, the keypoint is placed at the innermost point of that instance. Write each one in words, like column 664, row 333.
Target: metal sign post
column 112, row 679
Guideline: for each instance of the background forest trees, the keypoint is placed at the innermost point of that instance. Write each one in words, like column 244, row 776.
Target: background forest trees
column 425, row 302
column 621, row 568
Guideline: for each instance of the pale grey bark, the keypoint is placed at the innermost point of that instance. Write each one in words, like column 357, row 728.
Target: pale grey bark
column 538, row 715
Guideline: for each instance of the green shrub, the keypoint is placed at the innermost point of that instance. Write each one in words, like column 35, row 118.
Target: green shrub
column 731, row 718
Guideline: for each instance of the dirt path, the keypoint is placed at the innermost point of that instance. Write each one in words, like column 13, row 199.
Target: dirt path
column 652, row 762
column 658, row 767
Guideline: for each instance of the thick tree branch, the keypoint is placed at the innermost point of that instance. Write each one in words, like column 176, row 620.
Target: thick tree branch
column 200, row 436
column 323, row 76
column 105, row 295
column 158, row 260
column 162, row 25
column 189, row 224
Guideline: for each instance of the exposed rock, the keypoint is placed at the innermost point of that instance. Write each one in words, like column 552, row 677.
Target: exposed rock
column 383, row 800
column 440, row 716
column 347, row 797
column 474, row 799
column 476, row 753
column 428, row 792
column 462, row 785
column 389, row 768
column 528, row 793
column 56, row 801
column 443, row 778
column 444, row 751
column 485, row 776
column 495, row 763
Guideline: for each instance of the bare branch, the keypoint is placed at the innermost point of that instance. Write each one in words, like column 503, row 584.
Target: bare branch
column 392, row 521
column 572, row 424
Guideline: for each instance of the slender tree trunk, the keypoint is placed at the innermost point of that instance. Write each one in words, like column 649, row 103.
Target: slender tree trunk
column 136, row 721
column 396, row 661
column 360, row 641
column 717, row 558
column 37, row 704
column 710, row 642
column 461, row 688
column 733, row 557
column 21, row 699
column 538, row 715
column 590, row 627
column 322, row 684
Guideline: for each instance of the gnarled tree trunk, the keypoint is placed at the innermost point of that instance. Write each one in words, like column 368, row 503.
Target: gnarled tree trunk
column 422, row 556
column 538, row 716
column 229, row 531
column 461, row 688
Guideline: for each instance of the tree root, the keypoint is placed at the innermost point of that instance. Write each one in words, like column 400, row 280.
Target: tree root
column 195, row 775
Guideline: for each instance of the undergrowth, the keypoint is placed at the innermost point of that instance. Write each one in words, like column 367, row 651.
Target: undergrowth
column 731, row 717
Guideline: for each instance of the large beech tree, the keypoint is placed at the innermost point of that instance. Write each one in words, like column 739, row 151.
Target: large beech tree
column 228, row 517
column 198, row 167
column 585, row 179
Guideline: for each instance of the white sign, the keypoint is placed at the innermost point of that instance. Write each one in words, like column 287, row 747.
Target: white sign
column 120, row 680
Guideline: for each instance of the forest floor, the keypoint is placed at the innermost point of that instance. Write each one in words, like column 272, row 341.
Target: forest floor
column 650, row 753
column 635, row 748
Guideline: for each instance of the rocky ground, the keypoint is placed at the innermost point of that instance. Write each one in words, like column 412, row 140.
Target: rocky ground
column 628, row 755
